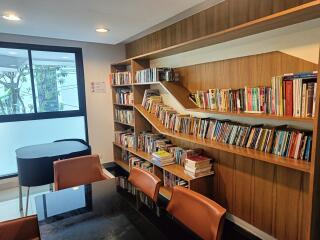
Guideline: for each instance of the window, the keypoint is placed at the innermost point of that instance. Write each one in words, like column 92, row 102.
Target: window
column 40, row 82
column 42, row 98
column 15, row 82
column 55, row 78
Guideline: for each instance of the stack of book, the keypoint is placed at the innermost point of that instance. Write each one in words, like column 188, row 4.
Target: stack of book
column 124, row 116
column 170, row 180
column 120, row 78
column 124, row 96
column 289, row 94
column 162, row 158
column 124, row 138
column 197, row 166
column 140, row 163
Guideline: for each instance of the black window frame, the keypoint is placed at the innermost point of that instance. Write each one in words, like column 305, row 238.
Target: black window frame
column 82, row 112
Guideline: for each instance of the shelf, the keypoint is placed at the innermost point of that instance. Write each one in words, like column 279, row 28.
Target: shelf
column 175, row 169
column 127, row 124
column 165, row 192
column 253, row 115
column 245, row 152
column 122, row 85
column 122, row 63
column 123, row 105
column 301, row 13
column 122, row 164
column 146, row 83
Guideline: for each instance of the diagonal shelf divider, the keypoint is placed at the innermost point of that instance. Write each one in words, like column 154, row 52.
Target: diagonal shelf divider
column 299, row 165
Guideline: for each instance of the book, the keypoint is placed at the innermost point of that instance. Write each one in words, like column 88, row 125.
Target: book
column 161, row 155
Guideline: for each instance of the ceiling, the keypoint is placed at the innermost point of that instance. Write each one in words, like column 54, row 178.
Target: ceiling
column 78, row 19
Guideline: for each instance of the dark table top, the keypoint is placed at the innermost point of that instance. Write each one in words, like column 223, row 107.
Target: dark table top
column 95, row 211
column 51, row 149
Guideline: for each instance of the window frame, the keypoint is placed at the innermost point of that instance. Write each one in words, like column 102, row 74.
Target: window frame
column 80, row 84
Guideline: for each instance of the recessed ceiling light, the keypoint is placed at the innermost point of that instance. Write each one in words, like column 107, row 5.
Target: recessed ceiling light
column 13, row 65
column 102, row 30
column 65, row 57
column 11, row 17
column 12, row 52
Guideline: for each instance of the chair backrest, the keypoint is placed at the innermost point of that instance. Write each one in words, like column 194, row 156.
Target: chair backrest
column 20, row 229
column 200, row 214
column 145, row 182
column 77, row 171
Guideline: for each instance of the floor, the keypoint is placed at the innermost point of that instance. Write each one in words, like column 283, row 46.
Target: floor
column 9, row 209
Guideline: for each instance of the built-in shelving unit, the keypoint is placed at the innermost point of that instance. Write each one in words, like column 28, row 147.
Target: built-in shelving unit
column 253, row 185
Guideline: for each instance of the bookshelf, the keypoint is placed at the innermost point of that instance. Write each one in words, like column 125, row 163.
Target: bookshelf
column 237, row 170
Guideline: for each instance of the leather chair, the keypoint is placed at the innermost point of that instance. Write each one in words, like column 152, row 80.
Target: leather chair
column 198, row 213
column 145, row 182
column 25, row 228
column 77, row 171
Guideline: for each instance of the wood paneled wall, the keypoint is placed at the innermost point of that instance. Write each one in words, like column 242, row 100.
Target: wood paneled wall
column 220, row 17
column 272, row 198
column 250, row 71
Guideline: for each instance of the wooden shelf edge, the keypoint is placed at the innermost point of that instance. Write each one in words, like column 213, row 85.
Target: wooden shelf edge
column 122, row 85
column 123, row 105
column 127, row 124
column 299, row 165
column 166, row 192
column 301, row 13
column 122, row 164
column 253, row 115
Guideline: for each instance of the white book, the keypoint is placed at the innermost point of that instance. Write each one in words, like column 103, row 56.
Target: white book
column 314, row 100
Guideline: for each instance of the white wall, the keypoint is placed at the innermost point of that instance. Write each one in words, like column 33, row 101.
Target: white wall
column 96, row 59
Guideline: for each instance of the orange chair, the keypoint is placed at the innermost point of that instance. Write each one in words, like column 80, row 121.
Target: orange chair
column 77, row 171
column 25, row 228
column 145, row 182
column 200, row 214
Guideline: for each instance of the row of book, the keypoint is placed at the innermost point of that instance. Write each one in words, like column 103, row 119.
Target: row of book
column 155, row 75
column 124, row 116
column 124, row 138
column 124, row 96
column 120, row 78
column 263, row 138
column 135, row 161
column 289, row 95
column 170, row 180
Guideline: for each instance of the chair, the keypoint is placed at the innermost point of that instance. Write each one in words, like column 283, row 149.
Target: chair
column 77, row 171
column 200, row 214
column 25, row 228
column 145, row 182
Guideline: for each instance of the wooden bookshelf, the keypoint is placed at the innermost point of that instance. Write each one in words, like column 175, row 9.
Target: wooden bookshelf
column 127, row 124
column 122, row 85
column 245, row 152
column 278, row 195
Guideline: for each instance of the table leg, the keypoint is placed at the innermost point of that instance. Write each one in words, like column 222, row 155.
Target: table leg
column 27, row 205
column 20, row 198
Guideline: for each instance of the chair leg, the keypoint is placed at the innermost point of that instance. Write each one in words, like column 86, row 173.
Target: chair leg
column 20, row 199
column 27, row 205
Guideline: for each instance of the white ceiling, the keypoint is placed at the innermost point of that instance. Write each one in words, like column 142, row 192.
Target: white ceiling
column 78, row 19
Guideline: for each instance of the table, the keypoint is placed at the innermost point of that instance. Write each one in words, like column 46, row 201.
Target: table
column 35, row 163
column 94, row 211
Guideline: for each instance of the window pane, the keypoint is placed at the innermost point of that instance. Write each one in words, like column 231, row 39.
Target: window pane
column 55, row 79
column 15, row 83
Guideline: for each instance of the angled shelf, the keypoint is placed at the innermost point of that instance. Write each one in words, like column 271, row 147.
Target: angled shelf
column 122, row 164
column 123, row 105
column 122, row 123
column 245, row 152
column 254, row 115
